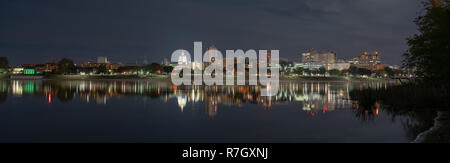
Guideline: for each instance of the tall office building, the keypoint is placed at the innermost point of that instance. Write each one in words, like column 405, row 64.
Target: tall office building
column 310, row 56
column 102, row 60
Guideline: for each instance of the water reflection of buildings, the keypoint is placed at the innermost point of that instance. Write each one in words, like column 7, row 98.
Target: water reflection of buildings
column 312, row 97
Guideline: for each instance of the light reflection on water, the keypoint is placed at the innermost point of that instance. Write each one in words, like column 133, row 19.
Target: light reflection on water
column 315, row 97
column 238, row 109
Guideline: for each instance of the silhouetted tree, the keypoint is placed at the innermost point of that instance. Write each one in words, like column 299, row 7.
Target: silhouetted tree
column 334, row 72
column 167, row 69
column 299, row 70
column 322, row 70
column 4, row 63
column 102, row 69
column 66, row 66
column 389, row 71
column 429, row 51
column 153, row 68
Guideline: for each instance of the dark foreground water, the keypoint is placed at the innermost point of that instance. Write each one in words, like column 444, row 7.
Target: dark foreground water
column 156, row 111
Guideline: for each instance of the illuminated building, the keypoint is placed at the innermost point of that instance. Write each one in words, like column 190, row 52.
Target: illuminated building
column 311, row 56
column 29, row 71
column 103, row 60
column 310, row 65
column 379, row 67
column 340, row 65
column 17, row 70
column 314, row 56
column 366, row 60
column 313, row 59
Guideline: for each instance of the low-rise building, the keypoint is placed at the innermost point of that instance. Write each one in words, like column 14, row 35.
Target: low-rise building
column 310, row 65
column 338, row 66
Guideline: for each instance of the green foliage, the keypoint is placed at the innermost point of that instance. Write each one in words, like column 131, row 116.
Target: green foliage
column 299, row 70
column 429, row 51
column 389, row 71
column 153, row 68
column 102, row 69
column 167, row 69
column 335, row 72
column 322, row 70
column 129, row 69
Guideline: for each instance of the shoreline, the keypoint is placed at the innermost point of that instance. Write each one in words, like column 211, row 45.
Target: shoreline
column 167, row 78
column 440, row 132
column 423, row 135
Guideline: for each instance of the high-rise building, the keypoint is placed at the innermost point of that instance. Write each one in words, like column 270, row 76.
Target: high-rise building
column 311, row 56
column 102, row 60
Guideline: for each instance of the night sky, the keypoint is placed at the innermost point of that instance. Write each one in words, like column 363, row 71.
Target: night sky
column 131, row 31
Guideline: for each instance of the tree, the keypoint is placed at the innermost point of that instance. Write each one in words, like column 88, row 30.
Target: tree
column 299, row 70
column 359, row 71
column 429, row 51
column 334, row 72
column 66, row 66
column 353, row 70
column 153, row 68
column 4, row 63
column 129, row 69
column 168, row 69
column 322, row 70
column 363, row 71
column 102, row 69
column 389, row 71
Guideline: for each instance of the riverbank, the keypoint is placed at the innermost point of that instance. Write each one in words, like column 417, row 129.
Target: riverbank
column 331, row 78
column 440, row 132
column 167, row 77
column 419, row 101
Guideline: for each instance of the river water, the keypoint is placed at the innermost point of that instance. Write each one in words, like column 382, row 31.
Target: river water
column 157, row 111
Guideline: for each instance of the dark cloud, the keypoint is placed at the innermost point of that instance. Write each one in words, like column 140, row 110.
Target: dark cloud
column 129, row 31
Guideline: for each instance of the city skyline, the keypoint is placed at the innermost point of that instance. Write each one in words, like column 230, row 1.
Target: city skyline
column 142, row 30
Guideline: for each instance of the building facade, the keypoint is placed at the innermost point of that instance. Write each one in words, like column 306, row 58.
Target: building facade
column 366, row 60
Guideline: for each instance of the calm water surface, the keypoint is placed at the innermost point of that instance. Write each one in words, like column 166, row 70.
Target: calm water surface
column 157, row 111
